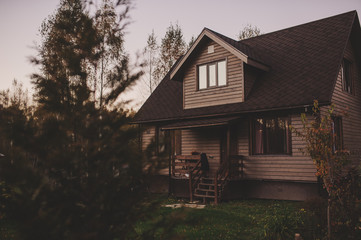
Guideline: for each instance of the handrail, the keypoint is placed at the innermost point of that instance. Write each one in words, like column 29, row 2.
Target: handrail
column 222, row 176
column 224, row 172
column 192, row 176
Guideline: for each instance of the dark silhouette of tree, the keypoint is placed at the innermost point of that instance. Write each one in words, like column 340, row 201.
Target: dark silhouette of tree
column 72, row 170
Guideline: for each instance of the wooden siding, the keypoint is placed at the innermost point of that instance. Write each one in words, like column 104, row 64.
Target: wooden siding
column 147, row 136
column 231, row 93
column 205, row 140
column 350, row 103
column 294, row 167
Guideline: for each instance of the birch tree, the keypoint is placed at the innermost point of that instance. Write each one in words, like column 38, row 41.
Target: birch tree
column 172, row 47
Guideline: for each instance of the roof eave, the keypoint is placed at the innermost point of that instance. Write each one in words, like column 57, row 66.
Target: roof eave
column 321, row 103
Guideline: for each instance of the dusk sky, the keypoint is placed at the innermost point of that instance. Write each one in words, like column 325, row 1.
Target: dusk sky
column 20, row 21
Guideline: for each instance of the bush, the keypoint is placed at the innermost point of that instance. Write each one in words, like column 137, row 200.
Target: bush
column 346, row 210
column 316, row 218
column 281, row 221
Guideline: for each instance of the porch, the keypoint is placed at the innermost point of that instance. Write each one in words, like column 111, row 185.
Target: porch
column 238, row 171
column 214, row 139
column 201, row 185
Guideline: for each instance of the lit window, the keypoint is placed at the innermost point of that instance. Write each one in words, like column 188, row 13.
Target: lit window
column 346, row 76
column 212, row 75
column 271, row 136
column 222, row 73
column 202, row 70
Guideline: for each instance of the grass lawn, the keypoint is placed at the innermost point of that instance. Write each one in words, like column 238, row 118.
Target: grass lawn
column 247, row 219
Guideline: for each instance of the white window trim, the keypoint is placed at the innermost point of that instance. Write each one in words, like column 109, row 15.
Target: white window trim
column 208, row 86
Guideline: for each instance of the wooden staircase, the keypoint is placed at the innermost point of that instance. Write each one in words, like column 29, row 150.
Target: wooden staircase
column 201, row 187
column 213, row 188
column 206, row 190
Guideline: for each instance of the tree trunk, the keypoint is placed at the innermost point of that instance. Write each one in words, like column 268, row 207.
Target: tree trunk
column 328, row 219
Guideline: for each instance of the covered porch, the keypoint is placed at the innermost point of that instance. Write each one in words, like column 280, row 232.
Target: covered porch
column 215, row 139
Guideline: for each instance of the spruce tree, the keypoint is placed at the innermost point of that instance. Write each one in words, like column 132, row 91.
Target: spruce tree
column 76, row 171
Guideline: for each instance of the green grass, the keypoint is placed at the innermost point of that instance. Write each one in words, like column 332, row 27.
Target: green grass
column 248, row 219
column 7, row 230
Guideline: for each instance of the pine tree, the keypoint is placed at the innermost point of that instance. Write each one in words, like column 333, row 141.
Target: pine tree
column 74, row 170
column 193, row 39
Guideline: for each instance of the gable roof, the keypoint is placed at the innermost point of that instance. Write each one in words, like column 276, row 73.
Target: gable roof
column 304, row 62
column 237, row 48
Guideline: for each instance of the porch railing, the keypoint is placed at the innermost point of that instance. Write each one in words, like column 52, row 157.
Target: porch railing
column 183, row 164
column 227, row 170
column 220, row 180
column 194, row 177
column 188, row 166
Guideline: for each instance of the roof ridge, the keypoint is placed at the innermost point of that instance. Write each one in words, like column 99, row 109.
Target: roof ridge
column 299, row 25
column 240, row 46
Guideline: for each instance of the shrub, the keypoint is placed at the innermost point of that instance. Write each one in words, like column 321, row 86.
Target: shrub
column 281, row 221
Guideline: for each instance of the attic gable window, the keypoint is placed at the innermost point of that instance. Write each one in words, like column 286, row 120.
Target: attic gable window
column 212, row 75
column 346, row 79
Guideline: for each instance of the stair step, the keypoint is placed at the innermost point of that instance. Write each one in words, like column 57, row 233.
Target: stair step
column 207, row 180
column 203, row 196
column 208, row 184
column 204, row 189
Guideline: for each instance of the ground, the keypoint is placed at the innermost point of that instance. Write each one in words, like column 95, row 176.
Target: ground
column 245, row 219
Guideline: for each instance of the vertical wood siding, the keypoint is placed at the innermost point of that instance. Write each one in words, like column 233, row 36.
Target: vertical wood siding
column 147, row 136
column 231, row 93
column 350, row 103
column 205, row 140
column 294, row 167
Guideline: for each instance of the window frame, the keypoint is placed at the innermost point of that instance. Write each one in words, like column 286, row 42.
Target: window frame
column 337, row 133
column 346, row 76
column 207, row 73
column 287, row 139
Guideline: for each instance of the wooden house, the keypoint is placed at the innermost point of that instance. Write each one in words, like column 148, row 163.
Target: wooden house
column 235, row 101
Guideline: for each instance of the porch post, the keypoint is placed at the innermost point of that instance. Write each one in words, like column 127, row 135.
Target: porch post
column 170, row 161
column 228, row 147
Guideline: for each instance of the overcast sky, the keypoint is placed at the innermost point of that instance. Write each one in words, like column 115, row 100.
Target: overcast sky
column 20, row 21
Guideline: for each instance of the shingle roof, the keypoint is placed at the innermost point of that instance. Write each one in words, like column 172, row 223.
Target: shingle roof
column 304, row 63
column 241, row 46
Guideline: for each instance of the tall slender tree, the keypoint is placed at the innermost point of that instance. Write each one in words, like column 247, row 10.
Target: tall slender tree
column 172, row 47
column 151, row 52
column 109, row 26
